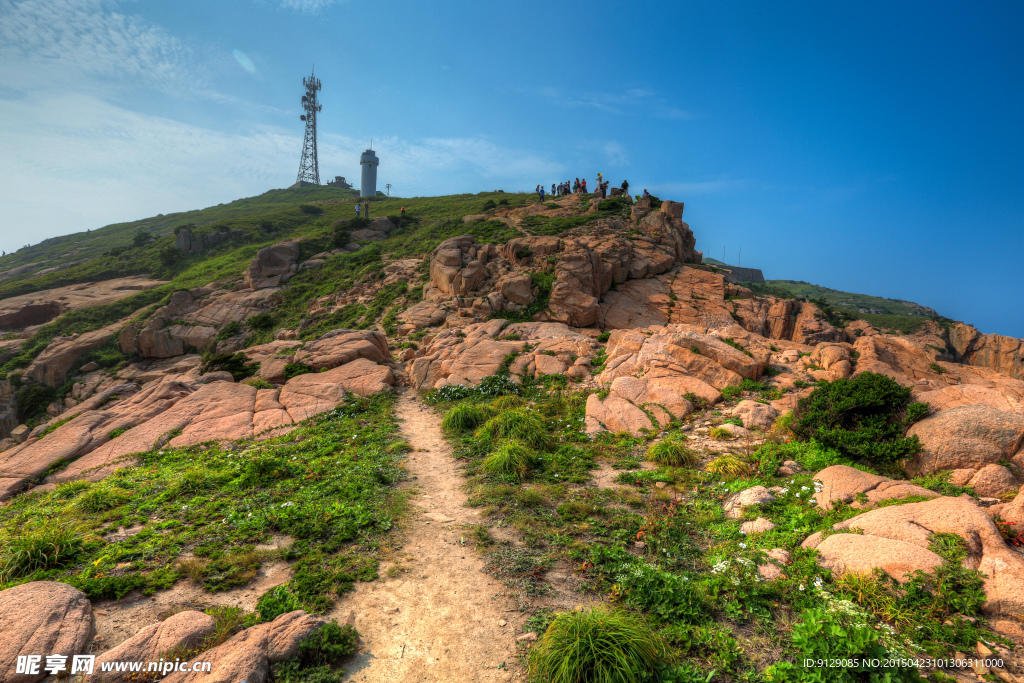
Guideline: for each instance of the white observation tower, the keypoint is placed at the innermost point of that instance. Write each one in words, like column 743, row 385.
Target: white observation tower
column 369, row 162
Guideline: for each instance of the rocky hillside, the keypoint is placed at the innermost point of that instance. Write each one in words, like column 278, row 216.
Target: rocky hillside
column 177, row 360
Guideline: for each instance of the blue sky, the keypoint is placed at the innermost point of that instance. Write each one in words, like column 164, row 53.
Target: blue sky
column 872, row 147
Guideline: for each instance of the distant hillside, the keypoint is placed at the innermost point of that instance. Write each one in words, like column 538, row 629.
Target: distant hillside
column 886, row 314
column 862, row 303
column 87, row 256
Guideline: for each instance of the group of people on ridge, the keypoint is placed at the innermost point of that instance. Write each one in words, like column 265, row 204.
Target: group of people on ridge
column 580, row 187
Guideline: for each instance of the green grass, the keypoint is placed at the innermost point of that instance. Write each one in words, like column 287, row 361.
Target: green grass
column 328, row 484
column 553, row 225
column 693, row 577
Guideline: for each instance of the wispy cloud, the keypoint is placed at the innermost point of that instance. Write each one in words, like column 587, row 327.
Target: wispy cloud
column 74, row 162
column 308, row 6
column 633, row 100
column 689, row 188
column 60, row 42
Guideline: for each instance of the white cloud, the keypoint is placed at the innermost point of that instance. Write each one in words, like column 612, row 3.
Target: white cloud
column 74, row 162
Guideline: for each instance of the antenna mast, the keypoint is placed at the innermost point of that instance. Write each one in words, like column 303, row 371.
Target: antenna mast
column 309, row 169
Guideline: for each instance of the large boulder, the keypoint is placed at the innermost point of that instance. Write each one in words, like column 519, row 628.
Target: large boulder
column 632, row 403
column 457, row 266
column 735, row 504
column 272, row 264
column 332, row 349
column 897, row 538
column 967, row 437
column 858, row 553
column 42, row 618
column 421, row 315
column 679, row 350
column 996, row 352
column 755, row 415
column 517, row 288
column 992, row 481
column 842, row 484
column 318, row 392
column 52, row 365
column 467, row 355
column 248, row 655
column 182, row 630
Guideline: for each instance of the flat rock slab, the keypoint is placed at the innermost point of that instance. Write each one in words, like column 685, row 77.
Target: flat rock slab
column 42, row 618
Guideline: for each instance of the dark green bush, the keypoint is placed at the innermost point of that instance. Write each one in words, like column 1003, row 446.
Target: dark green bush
column 229, row 330
column 865, row 417
column 238, row 364
column 32, row 401
column 310, row 209
column 318, row 656
column 296, row 369
column 261, row 321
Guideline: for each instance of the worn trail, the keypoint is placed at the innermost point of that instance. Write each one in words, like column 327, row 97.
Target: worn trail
column 438, row 617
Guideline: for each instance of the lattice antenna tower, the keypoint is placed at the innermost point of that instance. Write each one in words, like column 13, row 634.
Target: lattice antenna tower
column 309, row 169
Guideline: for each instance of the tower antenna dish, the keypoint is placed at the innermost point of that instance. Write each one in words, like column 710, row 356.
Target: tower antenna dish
column 309, row 168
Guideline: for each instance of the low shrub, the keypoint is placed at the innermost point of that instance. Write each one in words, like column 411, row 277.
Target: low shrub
column 864, row 418
column 296, row 369
column 698, row 402
column 260, row 321
column 830, row 637
column 599, row 645
column 238, row 364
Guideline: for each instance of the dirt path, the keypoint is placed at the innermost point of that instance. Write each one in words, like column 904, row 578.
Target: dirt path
column 441, row 618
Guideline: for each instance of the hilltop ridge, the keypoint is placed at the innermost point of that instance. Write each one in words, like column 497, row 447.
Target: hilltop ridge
column 214, row 398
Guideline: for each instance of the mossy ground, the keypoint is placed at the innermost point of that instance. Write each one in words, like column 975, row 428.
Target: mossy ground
column 328, row 485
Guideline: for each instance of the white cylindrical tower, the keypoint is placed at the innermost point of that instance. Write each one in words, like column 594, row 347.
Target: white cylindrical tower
column 369, row 162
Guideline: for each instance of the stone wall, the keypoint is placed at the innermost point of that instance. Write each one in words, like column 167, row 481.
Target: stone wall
column 736, row 274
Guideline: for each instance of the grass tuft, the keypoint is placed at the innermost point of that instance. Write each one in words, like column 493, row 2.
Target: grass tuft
column 727, row 467
column 49, row 546
column 519, row 424
column 673, row 452
column 508, row 402
column 600, row 645
column 466, row 416
column 101, row 498
column 510, row 459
